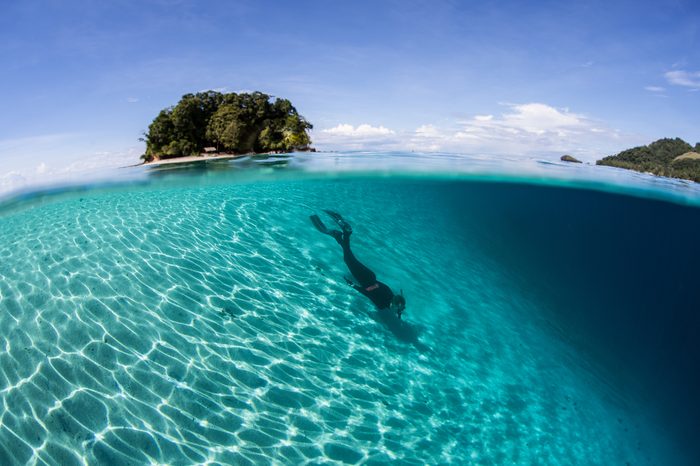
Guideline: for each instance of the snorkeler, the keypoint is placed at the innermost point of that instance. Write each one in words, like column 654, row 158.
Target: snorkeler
column 367, row 284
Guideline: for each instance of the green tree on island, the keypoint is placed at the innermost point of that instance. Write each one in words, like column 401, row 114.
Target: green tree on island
column 674, row 158
column 232, row 123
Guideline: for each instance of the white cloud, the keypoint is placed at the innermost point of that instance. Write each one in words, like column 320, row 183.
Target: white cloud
column 345, row 136
column 100, row 161
column 538, row 119
column 427, row 138
column 684, row 78
column 655, row 89
column 362, row 131
column 427, row 131
column 132, row 100
column 88, row 167
column 222, row 90
column 11, row 181
column 532, row 129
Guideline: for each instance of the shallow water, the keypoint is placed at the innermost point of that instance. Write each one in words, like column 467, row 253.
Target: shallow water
column 196, row 316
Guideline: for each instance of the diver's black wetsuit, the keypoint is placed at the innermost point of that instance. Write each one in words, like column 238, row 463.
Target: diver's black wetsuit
column 379, row 293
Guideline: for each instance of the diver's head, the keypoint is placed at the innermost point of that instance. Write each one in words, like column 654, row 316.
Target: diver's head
column 398, row 304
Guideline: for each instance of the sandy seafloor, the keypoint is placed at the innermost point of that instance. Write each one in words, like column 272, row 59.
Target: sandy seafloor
column 202, row 320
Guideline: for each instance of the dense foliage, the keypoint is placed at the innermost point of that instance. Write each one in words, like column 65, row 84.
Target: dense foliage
column 659, row 158
column 231, row 123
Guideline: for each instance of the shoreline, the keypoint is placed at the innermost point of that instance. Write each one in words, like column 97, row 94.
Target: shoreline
column 193, row 158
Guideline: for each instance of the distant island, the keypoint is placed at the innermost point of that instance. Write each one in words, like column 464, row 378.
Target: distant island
column 214, row 123
column 674, row 158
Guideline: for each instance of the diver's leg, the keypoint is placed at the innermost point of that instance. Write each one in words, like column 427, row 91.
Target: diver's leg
column 364, row 276
column 342, row 223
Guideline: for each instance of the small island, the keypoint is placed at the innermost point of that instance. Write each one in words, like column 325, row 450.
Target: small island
column 215, row 124
column 673, row 158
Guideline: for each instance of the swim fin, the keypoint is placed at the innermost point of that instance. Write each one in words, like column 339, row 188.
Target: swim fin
column 320, row 226
column 344, row 225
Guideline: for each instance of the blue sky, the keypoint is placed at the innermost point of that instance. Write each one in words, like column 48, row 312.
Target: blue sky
column 81, row 80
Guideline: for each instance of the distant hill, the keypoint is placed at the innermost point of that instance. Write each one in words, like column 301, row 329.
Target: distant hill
column 674, row 158
column 230, row 123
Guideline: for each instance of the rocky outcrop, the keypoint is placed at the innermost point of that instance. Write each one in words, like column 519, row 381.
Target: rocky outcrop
column 569, row 158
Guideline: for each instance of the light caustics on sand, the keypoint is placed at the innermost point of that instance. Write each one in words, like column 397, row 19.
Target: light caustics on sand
column 200, row 318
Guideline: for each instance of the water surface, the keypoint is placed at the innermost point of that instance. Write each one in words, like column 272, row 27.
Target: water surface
column 195, row 315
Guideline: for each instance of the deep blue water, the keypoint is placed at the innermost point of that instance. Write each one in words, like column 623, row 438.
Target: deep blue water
column 616, row 275
column 195, row 315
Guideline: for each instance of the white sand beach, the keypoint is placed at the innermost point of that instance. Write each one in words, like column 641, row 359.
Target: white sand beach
column 194, row 158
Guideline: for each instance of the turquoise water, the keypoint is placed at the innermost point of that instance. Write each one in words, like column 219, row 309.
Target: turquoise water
column 194, row 316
